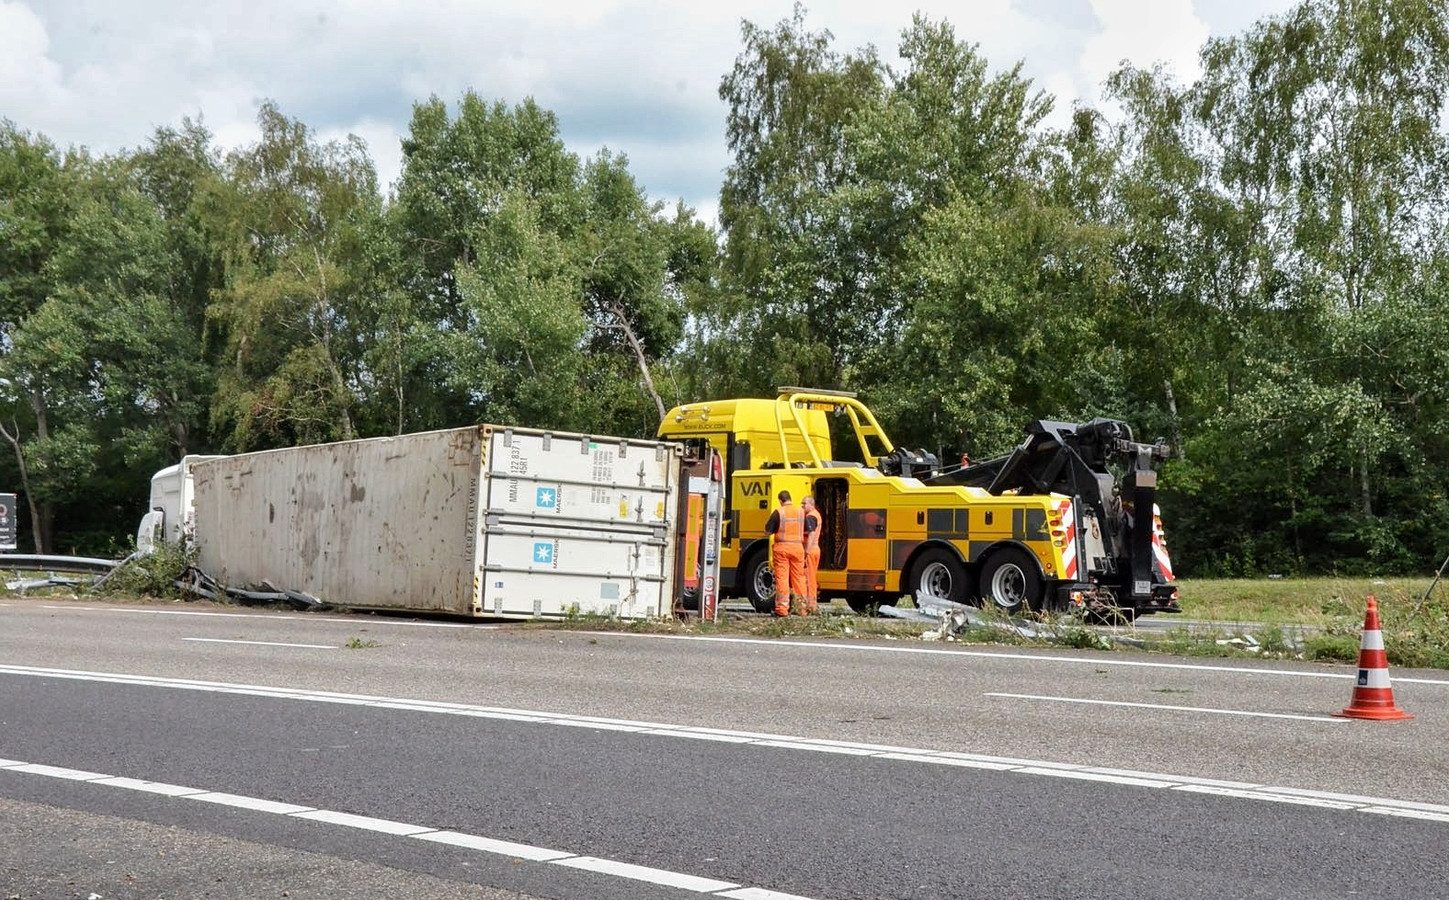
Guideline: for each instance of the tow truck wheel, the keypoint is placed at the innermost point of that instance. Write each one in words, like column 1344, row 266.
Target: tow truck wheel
column 760, row 582
column 1010, row 581
column 938, row 573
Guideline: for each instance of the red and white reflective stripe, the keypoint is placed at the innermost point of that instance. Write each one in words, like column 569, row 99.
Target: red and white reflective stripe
column 1069, row 544
column 1159, row 545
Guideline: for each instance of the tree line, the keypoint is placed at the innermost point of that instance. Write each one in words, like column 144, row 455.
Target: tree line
column 1250, row 265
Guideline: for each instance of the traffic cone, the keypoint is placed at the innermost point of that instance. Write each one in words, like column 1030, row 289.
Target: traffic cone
column 1373, row 698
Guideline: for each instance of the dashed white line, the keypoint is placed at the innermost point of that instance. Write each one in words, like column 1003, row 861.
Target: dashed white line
column 770, row 741
column 1201, row 709
column 272, row 617
column 261, row 643
column 616, row 868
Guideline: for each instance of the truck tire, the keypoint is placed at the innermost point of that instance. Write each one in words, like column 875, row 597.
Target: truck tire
column 1010, row 581
column 940, row 573
column 758, row 581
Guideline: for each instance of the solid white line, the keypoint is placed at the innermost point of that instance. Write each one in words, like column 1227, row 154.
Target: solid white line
column 819, row 748
column 1201, row 709
column 261, row 643
column 510, row 849
column 701, row 736
column 900, row 754
column 944, row 760
column 861, row 647
column 644, row 873
column 150, row 787
column 1264, row 795
column 365, row 823
column 252, row 803
column 1408, row 813
column 1086, row 775
column 489, row 845
column 56, row 772
column 1357, row 799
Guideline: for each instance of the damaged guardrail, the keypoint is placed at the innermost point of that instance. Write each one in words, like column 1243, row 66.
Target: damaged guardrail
column 953, row 619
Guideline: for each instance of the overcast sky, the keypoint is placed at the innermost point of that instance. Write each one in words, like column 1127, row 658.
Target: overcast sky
column 638, row 76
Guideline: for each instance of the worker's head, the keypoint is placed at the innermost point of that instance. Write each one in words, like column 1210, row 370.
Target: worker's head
column 807, row 502
column 784, row 496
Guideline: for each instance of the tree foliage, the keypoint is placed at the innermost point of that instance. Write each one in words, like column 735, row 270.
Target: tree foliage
column 1251, row 264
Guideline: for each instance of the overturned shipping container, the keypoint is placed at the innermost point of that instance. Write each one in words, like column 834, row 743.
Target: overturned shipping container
column 478, row 521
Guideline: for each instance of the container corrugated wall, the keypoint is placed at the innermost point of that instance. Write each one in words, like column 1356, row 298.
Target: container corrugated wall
column 385, row 523
column 482, row 521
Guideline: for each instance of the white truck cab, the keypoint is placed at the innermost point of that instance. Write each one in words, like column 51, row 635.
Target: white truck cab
column 171, row 513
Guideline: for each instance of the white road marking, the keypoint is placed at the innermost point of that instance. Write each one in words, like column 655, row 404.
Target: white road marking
column 862, row 647
column 271, row 617
column 1408, row 813
column 252, row 803
column 57, row 772
column 1088, row 775
column 892, row 754
column 150, row 787
column 261, row 643
column 1201, row 709
column 644, row 873
column 510, row 849
column 365, row 823
column 489, row 845
column 1269, row 795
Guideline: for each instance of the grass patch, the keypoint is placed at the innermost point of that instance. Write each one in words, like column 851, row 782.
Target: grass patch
column 1303, row 601
column 361, row 644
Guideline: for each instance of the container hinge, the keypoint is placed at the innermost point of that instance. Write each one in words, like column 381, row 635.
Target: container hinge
column 584, row 443
column 623, row 449
column 547, row 440
column 508, row 437
column 642, row 474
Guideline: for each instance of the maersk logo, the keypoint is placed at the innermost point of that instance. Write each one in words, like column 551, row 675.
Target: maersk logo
column 543, row 553
column 547, row 498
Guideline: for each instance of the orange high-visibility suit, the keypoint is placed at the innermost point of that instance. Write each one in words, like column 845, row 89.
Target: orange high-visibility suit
column 787, row 524
column 812, row 561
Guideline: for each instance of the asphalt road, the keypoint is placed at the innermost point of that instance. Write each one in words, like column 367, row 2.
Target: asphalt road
column 626, row 766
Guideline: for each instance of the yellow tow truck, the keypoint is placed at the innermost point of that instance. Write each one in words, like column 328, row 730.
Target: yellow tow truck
column 1046, row 528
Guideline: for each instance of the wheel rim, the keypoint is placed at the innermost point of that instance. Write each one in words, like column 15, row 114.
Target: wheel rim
column 936, row 580
column 1008, row 586
column 764, row 583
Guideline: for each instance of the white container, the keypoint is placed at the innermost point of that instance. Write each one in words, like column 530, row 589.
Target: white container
column 479, row 521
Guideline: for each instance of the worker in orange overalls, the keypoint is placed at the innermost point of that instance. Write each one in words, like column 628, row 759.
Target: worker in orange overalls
column 812, row 555
column 787, row 557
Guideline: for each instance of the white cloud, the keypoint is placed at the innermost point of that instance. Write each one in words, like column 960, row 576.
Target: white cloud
column 1168, row 31
column 641, row 76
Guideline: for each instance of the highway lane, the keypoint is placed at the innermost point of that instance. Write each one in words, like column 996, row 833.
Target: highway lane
column 887, row 692
column 836, row 826
column 777, row 817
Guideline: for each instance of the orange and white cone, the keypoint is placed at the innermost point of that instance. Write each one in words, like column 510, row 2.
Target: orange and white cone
column 1373, row 697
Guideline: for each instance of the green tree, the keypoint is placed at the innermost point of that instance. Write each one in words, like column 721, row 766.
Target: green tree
column 292, row 215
